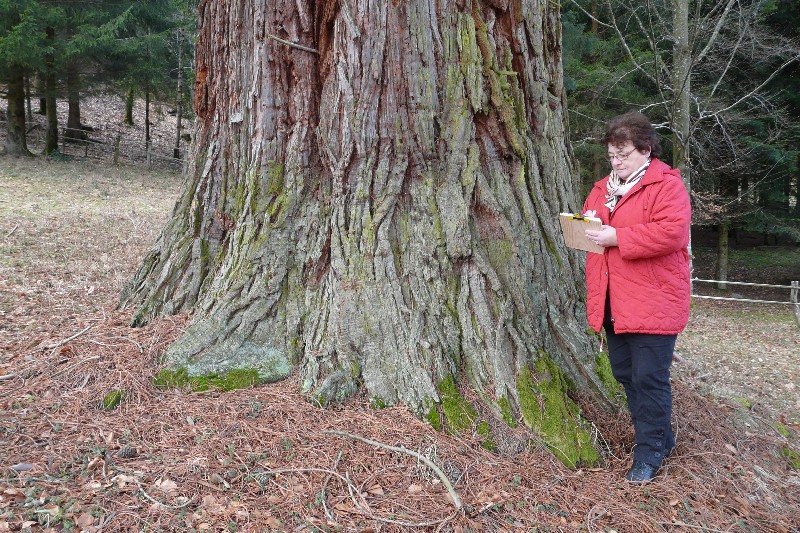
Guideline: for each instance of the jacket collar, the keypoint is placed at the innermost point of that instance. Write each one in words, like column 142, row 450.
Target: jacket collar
column 655, row 173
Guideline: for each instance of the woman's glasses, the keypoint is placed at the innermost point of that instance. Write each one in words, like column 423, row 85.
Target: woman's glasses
column 620, row 157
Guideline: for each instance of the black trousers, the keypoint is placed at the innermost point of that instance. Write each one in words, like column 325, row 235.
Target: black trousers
column 640, row 362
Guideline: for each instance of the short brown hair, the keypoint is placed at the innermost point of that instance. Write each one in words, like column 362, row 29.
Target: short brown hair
column 634, row 127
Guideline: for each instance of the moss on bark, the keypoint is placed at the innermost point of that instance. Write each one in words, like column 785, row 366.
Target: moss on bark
column 180, row 379
column 549, row 412
column 603, row 369
column 459, row 415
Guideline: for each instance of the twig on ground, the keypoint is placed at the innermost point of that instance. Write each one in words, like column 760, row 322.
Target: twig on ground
column 678, row 523
column 591, row 517
column 139, row 346
column 79, row 363
column 325, row 487
column 431, row 464
column 68, row 339
column 162, row 504
column 107, row 520
column 10, row 233
column 8, row 376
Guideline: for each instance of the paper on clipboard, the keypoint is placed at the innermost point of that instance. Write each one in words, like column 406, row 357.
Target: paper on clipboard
column 574, row 226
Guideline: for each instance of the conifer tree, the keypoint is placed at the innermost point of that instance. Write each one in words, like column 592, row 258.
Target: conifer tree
column 22, row 48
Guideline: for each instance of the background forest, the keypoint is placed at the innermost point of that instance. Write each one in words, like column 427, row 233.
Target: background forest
column 54, row 51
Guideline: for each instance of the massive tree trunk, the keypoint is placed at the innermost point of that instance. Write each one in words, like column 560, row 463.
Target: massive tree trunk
column 372, row 201
column 16, row 143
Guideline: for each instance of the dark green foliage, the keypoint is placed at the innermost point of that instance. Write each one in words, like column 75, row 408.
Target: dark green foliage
column 81, row 47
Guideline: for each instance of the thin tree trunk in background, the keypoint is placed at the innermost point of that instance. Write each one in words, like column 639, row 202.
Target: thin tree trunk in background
column 147, row 123
column 28, row 97
column 681, row 82
column 51, row 134
column 147, row 106
column 378, row 210
column 722, row 255
column 797, row 192
column 179, row 97
column 74, row 126
column 16, row 143
column 116, row 149
column 40, row 90
column 129, row 106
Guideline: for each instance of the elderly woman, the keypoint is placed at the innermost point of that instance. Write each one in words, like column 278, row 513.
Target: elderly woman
column 638, row 290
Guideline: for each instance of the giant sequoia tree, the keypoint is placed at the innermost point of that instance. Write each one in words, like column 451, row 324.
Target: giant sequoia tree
column 372, row 202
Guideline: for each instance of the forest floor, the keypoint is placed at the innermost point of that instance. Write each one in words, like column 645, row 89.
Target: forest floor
column 87, row 443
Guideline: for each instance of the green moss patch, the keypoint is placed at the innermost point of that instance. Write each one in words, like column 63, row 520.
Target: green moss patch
column 602, row 366
column 744, row 402
column 458, row 413
column 793, row 457
column 485, row 433
column 548, row 411
column 433, row 418
column 505, row 411
column 782, row 430
column 180, row 379
column 113, row 399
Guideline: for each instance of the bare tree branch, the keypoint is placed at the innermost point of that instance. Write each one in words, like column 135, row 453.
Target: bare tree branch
column 715, row 34
column 748, row 95
column 624, row 43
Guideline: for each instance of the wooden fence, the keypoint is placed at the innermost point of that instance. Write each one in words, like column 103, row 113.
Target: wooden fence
column 794, row 294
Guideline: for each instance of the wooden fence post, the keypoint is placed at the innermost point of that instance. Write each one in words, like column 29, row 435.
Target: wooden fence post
column 794, row 300
column 116, row 149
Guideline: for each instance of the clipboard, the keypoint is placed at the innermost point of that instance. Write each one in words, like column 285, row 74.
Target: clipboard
column 574, row 226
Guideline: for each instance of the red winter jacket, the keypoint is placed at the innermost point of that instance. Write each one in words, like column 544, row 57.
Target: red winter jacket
column 647, row 274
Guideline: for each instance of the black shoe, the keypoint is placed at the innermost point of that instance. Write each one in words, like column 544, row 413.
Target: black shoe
column 641, row 472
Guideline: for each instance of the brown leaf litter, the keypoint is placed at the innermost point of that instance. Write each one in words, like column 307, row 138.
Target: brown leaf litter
column 264, row 458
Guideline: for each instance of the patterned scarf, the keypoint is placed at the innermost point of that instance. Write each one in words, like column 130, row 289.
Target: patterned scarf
column 616, row 188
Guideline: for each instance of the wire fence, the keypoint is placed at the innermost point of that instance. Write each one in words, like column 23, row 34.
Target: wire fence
column 794, row 293
column 112, row 144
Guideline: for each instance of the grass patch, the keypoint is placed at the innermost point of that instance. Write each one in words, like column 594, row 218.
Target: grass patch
column 766, row 258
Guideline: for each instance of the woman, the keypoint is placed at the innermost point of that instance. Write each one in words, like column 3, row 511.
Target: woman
column 638, row 290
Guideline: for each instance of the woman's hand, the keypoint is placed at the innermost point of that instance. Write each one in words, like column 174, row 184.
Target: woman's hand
column 605, row 236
